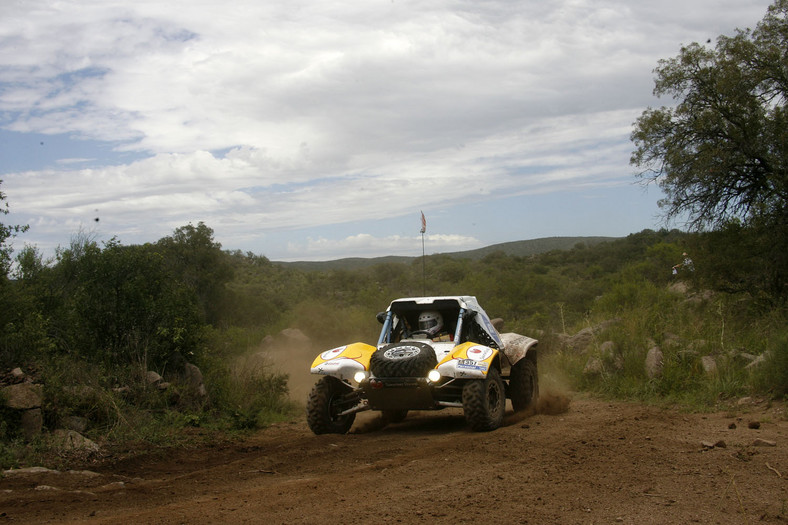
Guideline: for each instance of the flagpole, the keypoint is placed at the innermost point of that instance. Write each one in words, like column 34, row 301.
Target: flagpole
column 423, row 270
column 423, row 256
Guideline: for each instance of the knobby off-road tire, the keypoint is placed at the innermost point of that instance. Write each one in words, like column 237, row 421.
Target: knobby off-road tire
column 524, row 384
column 328, row 398
column 484, row 402
column 410, row 359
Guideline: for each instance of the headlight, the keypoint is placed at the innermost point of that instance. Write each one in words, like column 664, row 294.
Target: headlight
column 434, row 375
column 360, row 376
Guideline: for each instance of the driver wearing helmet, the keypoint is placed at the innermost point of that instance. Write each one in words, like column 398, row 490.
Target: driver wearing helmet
column 431, row 324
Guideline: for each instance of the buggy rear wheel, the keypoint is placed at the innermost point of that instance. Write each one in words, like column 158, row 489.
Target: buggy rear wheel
column 524, row 384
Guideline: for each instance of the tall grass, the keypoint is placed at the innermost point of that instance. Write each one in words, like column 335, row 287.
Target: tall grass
column 706, row 340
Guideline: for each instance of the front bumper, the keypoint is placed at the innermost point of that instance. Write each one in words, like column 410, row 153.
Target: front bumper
column 403, row 393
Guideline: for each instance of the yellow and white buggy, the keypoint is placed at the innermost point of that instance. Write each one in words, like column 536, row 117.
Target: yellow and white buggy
column 468, row 365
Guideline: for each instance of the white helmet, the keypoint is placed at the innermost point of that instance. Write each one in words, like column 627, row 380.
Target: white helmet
column 430, row 322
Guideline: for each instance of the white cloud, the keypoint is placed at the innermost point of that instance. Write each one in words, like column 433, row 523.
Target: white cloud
column 285, row 116
column 363, row 244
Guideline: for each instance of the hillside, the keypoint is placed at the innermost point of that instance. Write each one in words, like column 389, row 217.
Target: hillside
column 515, row 248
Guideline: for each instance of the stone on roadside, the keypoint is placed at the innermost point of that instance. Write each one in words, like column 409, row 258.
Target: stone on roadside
column 23, row 396
column 28, row 471
column 593, row 367
column 708, row 445
column 71, row 440
column 758, row 361
column 654, row 362
column 709, row 365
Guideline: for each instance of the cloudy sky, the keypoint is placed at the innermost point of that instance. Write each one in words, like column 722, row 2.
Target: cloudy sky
column 315, row 130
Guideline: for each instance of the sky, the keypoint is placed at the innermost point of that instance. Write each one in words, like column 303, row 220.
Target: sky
column 318, row 130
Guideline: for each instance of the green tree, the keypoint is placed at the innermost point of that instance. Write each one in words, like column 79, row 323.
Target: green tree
column 10, row 299
column 199, row 262
column 121, row 304
column 722, row 151
column 6, row 232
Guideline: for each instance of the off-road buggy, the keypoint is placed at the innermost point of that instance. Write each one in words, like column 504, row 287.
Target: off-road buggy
column 471, row 366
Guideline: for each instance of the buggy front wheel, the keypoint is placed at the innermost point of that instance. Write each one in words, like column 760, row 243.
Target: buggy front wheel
column 484, row 402
column 327, row 400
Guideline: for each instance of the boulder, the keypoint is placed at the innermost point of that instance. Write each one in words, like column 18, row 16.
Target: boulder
column 713, row 444
column 193, row 378
column 593, row 367
column 679, row 287
column 294, row 337
column 709, row 364
column 23, row 396
column 153, row 378
column 654, row 362
column 581, row 341
column 28, row 471
column 192, row 375
column 758, row 361
column 69, row 440
column 610, row 355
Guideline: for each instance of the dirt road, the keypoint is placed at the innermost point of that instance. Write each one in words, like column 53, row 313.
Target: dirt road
column 590, row 462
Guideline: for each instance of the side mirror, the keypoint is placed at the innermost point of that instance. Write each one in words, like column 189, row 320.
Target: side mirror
column 381, row 317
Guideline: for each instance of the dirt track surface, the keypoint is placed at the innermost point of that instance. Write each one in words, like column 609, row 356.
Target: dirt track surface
column 595, row 462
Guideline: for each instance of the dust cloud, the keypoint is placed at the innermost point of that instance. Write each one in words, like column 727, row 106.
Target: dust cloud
column 368, row 422
column 296, row 364
column 554, row 398
column 290, row 352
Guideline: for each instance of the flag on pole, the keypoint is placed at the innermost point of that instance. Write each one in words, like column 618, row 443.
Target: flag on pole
column 423, row 223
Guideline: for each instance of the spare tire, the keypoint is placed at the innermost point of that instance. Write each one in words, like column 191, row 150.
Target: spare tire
column 408, row 359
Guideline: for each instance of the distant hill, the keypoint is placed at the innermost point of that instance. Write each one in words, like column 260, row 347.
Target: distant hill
column 532, row 247
column 516, row 248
